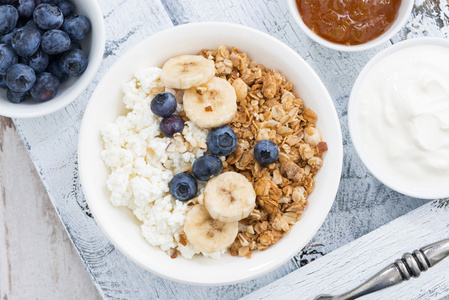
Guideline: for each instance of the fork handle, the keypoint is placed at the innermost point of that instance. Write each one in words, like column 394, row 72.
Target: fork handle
column 410, row 265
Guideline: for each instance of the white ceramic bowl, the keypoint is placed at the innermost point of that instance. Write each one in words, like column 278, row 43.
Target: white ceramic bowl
column 403, row 15
column 93, row 47
column 371, row 163
column 119, row 224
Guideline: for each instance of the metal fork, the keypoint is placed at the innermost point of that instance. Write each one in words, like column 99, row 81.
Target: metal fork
column 410, row 265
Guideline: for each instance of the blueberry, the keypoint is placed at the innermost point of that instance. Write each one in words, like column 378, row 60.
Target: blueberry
column 74, row 62
column 76, row 26
column 171, row 125
column 20, row 78
column 45, row 88
column 26, row 8
column 17, row 97
column 266, row 152
column 7, row 58
column 67, row 8
column 183, row 187
column 207, row 166
column 7, row 38
column 55, row 69
column 163, row 104
column 222, row 140
column 48, row 16
column 55, row 41
column 38, row 61
column 8, row 18
column 3, row 82
column 26, row 41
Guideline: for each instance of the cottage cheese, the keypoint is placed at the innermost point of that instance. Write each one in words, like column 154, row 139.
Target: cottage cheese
column 141, row 168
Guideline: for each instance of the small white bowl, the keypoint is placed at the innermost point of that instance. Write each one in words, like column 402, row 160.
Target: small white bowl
column 356, row 136
column 93, row 47
column 403, row 15
column 105, row 105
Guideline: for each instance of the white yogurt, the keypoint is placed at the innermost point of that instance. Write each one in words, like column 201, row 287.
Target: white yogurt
column 403, row 116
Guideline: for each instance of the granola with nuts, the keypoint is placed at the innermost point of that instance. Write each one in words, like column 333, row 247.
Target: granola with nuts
column 269, row 109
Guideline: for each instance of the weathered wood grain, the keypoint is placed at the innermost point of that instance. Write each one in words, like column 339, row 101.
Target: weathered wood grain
column 362, row 204
column 37, row 258
column 352, row 264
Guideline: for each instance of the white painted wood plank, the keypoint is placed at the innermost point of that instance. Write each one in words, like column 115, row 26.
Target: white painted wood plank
column 37, row 258
column 362, row 201
column 352, row 264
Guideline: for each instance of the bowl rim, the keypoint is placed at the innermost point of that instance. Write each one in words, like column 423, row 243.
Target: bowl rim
column 395, row 27
column 352, row 122
column 95, row 59
column 332, row 188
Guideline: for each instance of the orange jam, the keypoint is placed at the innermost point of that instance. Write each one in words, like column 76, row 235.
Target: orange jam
column 348, row 22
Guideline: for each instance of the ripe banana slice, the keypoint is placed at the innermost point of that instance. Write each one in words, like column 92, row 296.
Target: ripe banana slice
column 212, row 104
column 185, row 71
column 207, row 234
column 229, row 197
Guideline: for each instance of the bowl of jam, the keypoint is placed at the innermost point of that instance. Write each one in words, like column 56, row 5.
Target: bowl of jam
column 350, row 25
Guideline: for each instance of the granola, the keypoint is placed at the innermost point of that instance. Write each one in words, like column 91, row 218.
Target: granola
column 269, row 109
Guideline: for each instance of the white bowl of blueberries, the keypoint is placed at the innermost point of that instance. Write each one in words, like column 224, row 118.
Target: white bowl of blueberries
column 50, row 51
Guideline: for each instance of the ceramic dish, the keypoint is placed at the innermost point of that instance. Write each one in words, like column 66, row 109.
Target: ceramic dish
column 93, row 47
column 370, row 162
column 403, row 14
column 123, row 229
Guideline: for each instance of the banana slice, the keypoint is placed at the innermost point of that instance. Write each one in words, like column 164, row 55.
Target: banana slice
column 229, row 197
column 185, row 71
column 211, row 105
column 207, row 234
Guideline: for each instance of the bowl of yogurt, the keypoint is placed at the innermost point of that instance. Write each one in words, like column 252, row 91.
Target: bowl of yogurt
column 398, row 117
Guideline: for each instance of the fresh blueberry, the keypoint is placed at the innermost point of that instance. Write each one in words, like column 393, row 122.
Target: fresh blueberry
column 3, row 82
column 171, row 125
column 8, row 18
column 74, row 62
column 26, row 8
column 55, row 69
column 67, row 8
column 20, row 78
column 55, row 41
column 45, row 88
column 266, row 152
column 222, row 140
column 48, row 16
column 26, row 41
column 207, row 166
column 7, row 58
column 38, row 61
column 163, row 104
column 17, row 97
column 183, row 187
column 76, row 26
column 7, row 38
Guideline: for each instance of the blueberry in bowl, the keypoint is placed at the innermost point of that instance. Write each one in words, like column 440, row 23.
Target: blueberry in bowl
column 163, row 104
column 266, row 152
column 20, row 78
column 33, row 30
column 183, row 187
column 207, row 166
column 222, row 140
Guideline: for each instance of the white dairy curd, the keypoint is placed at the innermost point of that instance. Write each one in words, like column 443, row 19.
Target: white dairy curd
column 136, row 154
column 403, row 117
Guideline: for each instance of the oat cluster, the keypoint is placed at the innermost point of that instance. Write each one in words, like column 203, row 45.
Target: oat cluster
column 269, row 109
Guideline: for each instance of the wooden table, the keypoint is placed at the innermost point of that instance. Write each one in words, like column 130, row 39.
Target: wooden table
column 38, row 261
